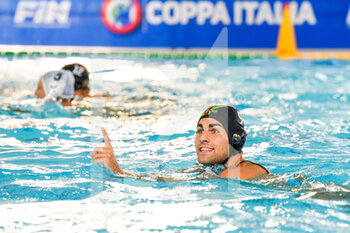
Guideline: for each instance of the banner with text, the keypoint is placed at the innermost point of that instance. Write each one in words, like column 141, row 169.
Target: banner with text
column 171, row 23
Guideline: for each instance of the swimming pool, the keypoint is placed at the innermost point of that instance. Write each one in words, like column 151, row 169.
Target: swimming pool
column 296, row 114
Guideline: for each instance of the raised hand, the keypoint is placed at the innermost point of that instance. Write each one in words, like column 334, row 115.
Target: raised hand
column 106, row 155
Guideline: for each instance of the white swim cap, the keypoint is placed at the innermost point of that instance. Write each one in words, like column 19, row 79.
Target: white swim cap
column 58, row 85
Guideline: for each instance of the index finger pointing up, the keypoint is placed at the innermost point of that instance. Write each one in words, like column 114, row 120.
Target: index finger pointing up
column 107, row 141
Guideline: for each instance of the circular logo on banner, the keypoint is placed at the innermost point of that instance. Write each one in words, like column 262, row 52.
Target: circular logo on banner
column 121, row 16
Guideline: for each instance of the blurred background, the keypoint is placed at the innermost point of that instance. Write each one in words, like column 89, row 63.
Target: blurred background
column 148, row 55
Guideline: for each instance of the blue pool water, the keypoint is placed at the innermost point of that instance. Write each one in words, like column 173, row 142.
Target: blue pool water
column 297, row 115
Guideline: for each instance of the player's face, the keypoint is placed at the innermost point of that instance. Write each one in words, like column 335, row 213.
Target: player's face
column 211, row 142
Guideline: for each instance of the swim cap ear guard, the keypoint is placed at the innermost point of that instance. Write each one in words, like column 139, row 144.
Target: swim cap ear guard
column 238, row 139
column 81, row 75
column 233, row 123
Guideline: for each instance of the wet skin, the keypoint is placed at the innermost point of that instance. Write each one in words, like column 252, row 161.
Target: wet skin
column 211, row 142
column 39, row 92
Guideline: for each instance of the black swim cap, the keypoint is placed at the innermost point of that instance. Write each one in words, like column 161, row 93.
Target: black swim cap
column 233, row 123
column 81, row 75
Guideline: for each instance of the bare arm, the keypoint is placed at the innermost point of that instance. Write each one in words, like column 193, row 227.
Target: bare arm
column 106, row 156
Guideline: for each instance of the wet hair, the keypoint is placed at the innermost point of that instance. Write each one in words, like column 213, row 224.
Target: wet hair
column 81, row 75
column 231, row 120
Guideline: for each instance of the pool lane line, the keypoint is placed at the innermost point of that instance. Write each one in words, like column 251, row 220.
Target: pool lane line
column 308, row 55
column 151, row 55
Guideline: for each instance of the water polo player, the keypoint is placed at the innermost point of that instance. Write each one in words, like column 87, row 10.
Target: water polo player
column 219, row 139
column 56, row 86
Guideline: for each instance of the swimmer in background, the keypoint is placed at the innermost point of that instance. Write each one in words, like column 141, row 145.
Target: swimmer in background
column 219, row 140
column 56, row 86
column 63, row 85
